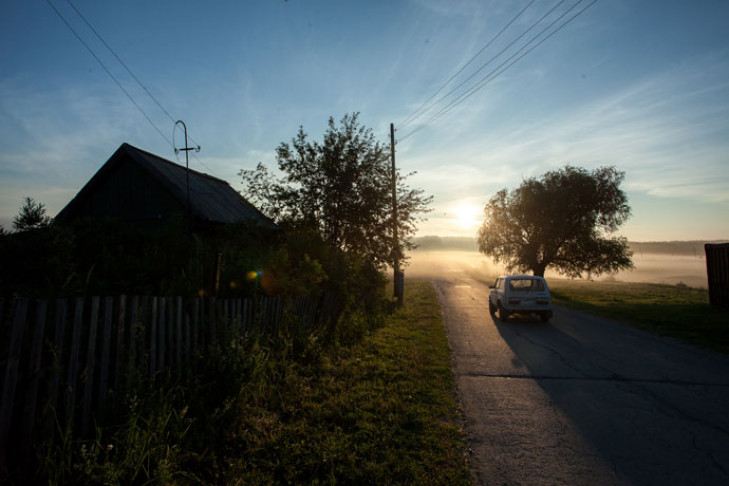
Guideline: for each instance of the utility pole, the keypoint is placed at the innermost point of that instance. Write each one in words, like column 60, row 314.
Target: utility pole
column 186, row 149
column 398, row 275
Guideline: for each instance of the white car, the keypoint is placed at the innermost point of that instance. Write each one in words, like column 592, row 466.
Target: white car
column 522, row 294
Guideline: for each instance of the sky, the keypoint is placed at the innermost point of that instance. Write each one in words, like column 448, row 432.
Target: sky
column 642, row 85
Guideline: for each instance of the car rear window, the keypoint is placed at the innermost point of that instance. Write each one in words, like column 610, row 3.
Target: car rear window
column 526, row 284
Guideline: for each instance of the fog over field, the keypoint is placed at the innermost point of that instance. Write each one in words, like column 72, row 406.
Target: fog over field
column 661, row 262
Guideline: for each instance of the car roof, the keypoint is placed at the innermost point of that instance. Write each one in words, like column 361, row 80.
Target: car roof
column 521, row 277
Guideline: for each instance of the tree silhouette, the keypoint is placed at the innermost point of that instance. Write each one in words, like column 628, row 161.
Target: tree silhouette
column 343, row 188
column 560, row 220
column 32, row 215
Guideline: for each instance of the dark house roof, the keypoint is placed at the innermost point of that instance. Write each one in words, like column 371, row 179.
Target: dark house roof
column 137, row 186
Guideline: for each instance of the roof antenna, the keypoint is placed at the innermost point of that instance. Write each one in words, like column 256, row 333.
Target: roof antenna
column 186, row 149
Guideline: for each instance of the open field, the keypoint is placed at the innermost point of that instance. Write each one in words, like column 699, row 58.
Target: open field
column 665, row 294
column 676, row 311
column 668, row 269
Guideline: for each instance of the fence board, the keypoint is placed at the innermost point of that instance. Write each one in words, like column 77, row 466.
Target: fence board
column 73, row 358
column 212, row 322
column 34, row 370
column 195, row 324
column 187, row 355
column 163, row 334
column 11, row 375
column 105, row 349
column 54, row 377
column 90, row 365
column 153, row 339
column 120, row 331
column 133, row 316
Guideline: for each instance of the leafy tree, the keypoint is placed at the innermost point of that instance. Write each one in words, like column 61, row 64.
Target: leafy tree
column 343, row 188
column 32, row 215
column 36, row 259
column 560, row 220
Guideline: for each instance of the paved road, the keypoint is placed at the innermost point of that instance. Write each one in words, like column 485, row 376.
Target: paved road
column 583, row 400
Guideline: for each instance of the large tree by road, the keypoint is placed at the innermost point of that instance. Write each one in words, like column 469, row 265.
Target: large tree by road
column 343, row 188
column 562, row 220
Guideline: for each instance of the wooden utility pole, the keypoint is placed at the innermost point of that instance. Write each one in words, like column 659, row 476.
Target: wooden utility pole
column 398, row 275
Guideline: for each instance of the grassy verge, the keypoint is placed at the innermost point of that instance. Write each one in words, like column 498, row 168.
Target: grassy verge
column 290, row 409
column 380, row 412
column 677, row 311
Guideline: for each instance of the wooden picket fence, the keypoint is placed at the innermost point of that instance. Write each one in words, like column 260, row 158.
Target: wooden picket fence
column 69, row 363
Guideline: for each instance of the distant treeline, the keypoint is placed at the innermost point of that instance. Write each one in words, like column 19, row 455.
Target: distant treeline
column 678, row 248
column 464, row 243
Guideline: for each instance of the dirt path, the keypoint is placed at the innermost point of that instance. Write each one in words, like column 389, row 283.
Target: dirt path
column 583, row 400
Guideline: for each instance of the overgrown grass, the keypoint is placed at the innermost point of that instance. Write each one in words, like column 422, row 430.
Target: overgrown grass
column 380, row 412
column 291, row 409
column 677, row 311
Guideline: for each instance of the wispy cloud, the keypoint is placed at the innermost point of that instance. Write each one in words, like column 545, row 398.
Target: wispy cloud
column 668, row 132
column 63, row 137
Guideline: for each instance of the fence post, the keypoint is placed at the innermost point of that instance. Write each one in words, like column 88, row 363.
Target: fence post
column 11, row 375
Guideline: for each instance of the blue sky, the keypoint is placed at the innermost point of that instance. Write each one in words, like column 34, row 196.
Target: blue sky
column 639, row 84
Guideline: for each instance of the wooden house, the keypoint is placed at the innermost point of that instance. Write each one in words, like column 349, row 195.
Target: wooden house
column 146, row 191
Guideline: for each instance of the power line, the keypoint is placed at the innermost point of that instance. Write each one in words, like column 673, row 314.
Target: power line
column 103, row 41
column 466, row 94
column 485, row 81
column 412, row 116
column 119, row 59
column 116, row 81
column 494, row 57
column 131, row 73
column 496, row 73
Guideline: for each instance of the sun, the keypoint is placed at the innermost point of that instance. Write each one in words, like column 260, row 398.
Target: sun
column 466, row 215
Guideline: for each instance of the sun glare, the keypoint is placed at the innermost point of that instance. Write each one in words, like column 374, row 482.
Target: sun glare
column 466, row 216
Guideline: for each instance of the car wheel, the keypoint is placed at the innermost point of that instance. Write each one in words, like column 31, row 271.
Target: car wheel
column 503, row 313
column 545, row 317
column 492, row 308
